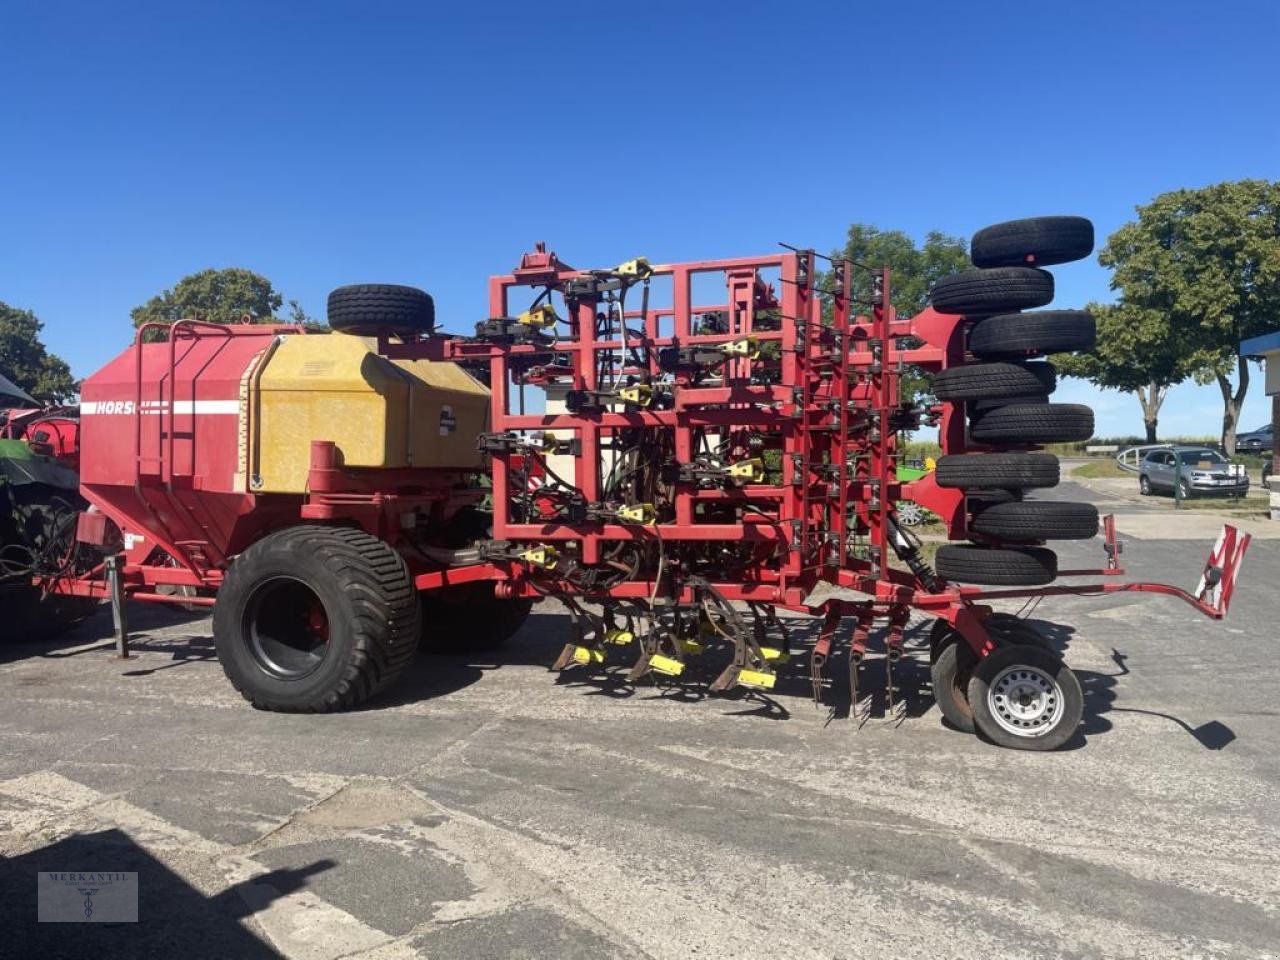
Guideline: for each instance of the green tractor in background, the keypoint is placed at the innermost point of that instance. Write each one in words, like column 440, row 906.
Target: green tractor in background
column 910, row 513
column 39, row 503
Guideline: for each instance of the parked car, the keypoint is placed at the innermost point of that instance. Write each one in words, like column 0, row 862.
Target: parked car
column 1255, row 440
column 1196, row 470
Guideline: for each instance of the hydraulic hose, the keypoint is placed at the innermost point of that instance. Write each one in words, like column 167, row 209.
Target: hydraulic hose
column 908, row 551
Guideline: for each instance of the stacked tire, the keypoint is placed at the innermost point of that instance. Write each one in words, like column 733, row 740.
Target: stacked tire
column 1029, row 699
column 1006, row 392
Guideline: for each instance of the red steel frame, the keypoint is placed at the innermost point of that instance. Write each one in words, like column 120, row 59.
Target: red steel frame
column 837, row 398
column 834, row 411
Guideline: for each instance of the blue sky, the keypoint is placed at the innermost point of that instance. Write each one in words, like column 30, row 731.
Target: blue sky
column 330, row 143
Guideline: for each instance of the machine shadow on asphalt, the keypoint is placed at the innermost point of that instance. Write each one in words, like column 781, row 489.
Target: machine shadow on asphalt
column 201, row 926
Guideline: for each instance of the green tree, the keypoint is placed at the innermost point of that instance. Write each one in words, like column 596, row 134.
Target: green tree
column 218, row 296
column 1209, row 260
column 914, row 271
column 25, row 361
column 1137, row 352
column 305, row 320
column 915, row 268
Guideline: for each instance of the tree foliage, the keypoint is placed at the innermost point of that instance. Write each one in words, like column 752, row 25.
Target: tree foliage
column 1138, row 351
column 914, row 271
column 25, row 360
column 1209, row 261
column 915, row 268
column 218, row 296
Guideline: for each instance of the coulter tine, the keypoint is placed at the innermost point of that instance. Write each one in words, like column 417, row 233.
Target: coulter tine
column 640, row 668
column 566, row 657
column 727, row 679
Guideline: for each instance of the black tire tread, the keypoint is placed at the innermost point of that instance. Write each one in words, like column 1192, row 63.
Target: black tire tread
column 365, row 308
column 997, row 290
column 992, row 566
column 990, row 380
column 378, row 584
column 1043, row 241
column 1033, row 423
column 998, row 470
column 1007, row 335
column 1037, row 520
column 950, row 673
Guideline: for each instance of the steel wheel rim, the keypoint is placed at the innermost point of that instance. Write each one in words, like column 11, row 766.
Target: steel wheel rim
column 1025, row 701
column 286, row 628
column 910, row 513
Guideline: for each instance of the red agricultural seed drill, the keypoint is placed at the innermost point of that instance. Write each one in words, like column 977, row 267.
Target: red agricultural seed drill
column 716, row 441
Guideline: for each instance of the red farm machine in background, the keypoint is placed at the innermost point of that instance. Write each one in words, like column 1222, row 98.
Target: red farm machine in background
column 709, row 442
column 39, row 506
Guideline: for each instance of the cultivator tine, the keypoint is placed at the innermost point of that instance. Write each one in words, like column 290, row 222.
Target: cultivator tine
column 816, row 662
column 565, row 658
column 859, row 710
column 640, row 668
column 822, row 651
column 579, row 652
column 894, row 711
column 728, row 678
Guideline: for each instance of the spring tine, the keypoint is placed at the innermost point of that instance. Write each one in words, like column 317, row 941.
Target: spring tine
column 816, row 662
column 821, row 649
column 859, row 710
column 894, row 713
column 888, row 687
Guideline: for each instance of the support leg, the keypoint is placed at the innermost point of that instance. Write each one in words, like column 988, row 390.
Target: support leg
column 119, row 616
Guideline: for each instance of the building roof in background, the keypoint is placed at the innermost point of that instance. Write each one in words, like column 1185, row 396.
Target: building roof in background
column 1257, row 346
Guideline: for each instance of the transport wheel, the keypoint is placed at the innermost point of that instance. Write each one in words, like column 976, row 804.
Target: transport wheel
column 997, row 470
column 30, row 617
column 1037, row 520
column 952, row 661
column 1028, row 334
column 1144, row 485
column 996, row 566
column 313, row 619
column 1003, row 627
column 998, row 290
column 470, row 619
column 368, row 308
column 1185, row 490
column 1040, row 240
column 1026, row 698
column 950, row 673
column 1033, row 423
column 982, row 380
column 1006, row 627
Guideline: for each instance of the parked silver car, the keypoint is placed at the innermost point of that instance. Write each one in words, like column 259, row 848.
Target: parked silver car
column 1256, row 440
column 1196, row 470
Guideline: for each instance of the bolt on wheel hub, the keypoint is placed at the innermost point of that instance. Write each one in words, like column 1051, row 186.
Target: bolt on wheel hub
column 1025, row 701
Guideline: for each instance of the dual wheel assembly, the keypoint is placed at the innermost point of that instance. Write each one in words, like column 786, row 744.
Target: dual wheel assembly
column 1021, row 694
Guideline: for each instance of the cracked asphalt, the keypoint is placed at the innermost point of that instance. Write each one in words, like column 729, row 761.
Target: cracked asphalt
column 485, row 808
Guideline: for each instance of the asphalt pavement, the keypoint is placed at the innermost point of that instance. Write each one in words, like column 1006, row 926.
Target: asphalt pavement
column 488, row 808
